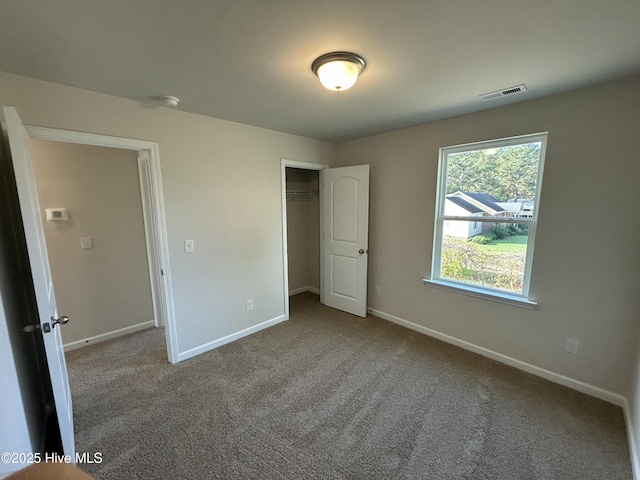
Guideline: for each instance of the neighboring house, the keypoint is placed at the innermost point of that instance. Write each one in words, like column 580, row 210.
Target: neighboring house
column 207, row 162
column 455, row 205
column 479, row 204
column 489, row 204
column 518, row 208
column 476, row 204
column 514, row 209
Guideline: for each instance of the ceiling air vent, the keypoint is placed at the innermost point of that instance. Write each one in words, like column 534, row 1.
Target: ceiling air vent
column 504, row 92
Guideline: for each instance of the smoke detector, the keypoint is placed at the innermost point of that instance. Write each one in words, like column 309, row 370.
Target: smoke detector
column 169, row 100
column 504, row 92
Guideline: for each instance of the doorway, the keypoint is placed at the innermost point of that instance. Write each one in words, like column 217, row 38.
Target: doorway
column 343, row 199
column 148, row 167
column 97, row 246
column 301, row 213
column 303, row 231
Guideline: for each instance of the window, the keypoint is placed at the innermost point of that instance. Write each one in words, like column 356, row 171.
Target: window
column 486, row 215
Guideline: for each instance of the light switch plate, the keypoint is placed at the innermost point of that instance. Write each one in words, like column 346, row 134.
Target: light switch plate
column 189, row 246
column 86, row 243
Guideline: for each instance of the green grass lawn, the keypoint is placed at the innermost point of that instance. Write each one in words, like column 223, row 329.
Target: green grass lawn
column 515, row 244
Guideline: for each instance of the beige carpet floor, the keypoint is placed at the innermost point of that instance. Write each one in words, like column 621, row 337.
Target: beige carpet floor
column 330, row 396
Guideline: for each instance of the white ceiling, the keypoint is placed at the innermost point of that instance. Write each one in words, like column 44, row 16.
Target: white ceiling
column 249, row 60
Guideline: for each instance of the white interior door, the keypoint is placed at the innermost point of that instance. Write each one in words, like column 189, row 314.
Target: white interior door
column 39, row 262
column 155, row 271
column 345, row 242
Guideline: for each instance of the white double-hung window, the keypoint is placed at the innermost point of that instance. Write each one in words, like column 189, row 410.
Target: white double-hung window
column 486, row 214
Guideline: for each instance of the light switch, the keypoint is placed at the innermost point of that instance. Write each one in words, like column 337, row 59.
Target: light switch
column 86, row 243
column 189, row 246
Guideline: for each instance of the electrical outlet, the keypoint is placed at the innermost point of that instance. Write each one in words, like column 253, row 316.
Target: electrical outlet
column 376, row 290
column 250, row 304
column 571, row 345
column 86, row 243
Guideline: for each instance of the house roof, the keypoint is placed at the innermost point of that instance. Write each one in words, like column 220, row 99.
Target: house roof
column 511, row 206
column 469, row 207
column 485, row 199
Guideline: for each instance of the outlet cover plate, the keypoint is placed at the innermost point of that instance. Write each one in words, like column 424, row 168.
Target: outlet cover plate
column 571, row 345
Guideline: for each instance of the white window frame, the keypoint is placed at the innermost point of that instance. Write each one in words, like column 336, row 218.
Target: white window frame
column 495, row 294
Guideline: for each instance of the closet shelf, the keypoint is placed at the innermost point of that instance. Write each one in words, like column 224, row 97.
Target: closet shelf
column 298, row 195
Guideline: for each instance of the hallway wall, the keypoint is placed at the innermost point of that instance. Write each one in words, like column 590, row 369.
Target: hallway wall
column 106, row 288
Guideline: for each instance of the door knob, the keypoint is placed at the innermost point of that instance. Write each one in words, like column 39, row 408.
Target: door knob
column 361, row 251
column 63, row 320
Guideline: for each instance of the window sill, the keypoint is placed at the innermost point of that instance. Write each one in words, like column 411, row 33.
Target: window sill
column 499, row 297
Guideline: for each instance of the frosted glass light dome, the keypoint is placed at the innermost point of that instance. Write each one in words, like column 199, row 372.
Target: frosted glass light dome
column 338, row 71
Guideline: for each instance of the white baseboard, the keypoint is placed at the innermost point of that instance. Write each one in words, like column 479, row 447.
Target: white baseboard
column 583, row 387
column 633, row 444
column 296, row 291
column 106, row 336
column 229, row 338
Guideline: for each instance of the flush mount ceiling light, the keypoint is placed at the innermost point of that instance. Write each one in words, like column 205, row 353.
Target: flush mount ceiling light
column 338, row 71
column 169, row 100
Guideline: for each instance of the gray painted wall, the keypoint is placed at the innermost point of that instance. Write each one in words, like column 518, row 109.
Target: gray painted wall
column 222, row 188
column 586, row 262
column 106, row 288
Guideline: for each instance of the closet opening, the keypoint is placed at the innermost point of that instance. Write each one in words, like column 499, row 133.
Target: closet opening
column 301, row 235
